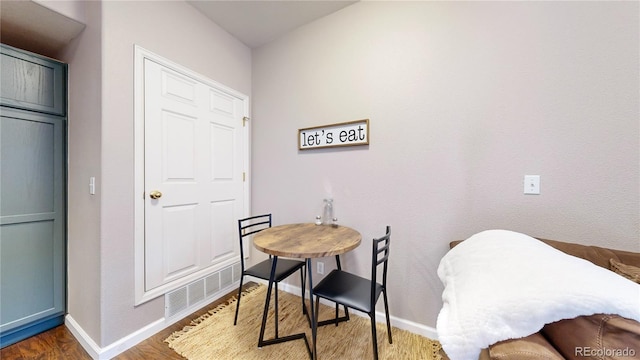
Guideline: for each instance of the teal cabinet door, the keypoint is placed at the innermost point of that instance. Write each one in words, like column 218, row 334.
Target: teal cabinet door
column 32, row 83
column 32, row 221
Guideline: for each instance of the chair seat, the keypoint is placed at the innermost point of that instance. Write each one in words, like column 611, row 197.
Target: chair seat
column 284, row 268
column 353, row 291
column 347, row 289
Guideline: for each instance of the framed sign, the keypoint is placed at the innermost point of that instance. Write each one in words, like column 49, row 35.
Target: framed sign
column 349, row 133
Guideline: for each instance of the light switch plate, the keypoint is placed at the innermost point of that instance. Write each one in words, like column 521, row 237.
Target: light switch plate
column 532, row 184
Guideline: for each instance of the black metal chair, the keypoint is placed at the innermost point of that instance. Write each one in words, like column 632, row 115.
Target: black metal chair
column 284, row 267
column 352, row 291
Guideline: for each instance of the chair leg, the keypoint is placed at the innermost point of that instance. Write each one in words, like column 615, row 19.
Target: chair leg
column 374, row 336
column 302, row 276
column 317, row 310
column 386, row 311
column 277, row 310
column 305, row 312
column 235, row 320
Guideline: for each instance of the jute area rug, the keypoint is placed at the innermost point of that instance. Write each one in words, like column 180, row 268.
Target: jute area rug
column 213, row 336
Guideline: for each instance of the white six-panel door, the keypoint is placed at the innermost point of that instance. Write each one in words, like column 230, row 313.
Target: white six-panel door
column 194, row 147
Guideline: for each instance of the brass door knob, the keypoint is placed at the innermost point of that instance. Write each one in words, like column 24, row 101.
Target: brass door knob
column 155, row 194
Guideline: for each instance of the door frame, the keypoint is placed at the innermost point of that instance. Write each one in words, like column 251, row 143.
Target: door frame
column 140, row 54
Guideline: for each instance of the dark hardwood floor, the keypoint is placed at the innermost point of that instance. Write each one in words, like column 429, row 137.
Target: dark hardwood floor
column 59, row 343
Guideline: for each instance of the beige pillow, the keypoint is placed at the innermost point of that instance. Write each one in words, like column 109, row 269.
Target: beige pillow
column 629, row 271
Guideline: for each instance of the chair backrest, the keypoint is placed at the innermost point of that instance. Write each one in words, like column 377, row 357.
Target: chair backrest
column 380, row 257
column 249, row 226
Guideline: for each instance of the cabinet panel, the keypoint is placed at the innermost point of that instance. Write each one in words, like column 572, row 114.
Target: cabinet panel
column 32, row 222
column 27, row 272
column 28, row 152
column 32, row 83
column 32, row 196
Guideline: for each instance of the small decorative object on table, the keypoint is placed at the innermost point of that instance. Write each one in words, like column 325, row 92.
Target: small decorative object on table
column 328, row 212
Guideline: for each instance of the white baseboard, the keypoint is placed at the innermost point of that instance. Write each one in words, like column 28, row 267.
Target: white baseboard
column 410, row 326
column 83, row 338
column 131, row 340
column 117, row 347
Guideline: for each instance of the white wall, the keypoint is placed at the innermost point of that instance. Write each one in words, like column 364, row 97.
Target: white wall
column 178, row 32
column 84, row 56
column 464, row 98
column 101, row 119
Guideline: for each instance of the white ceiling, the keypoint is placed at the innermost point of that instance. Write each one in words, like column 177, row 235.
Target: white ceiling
column 29, row 25
column 257, row 22
column 33, row 27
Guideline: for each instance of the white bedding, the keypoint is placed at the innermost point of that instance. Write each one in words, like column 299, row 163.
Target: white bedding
column 503, row 285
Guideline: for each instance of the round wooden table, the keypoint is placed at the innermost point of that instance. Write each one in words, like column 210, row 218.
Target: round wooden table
column 306, row 241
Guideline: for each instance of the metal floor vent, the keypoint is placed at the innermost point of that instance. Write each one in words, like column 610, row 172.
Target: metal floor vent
column 193, row 295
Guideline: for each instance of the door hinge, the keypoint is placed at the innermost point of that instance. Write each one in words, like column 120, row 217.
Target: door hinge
column 244, row 176
column 244, row 121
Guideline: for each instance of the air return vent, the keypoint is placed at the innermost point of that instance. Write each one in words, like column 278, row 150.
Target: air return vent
column 176, row 301
column 212, row 284
column 196, row 291
column 236, row 272
column 226, row 277
column 194, row 295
